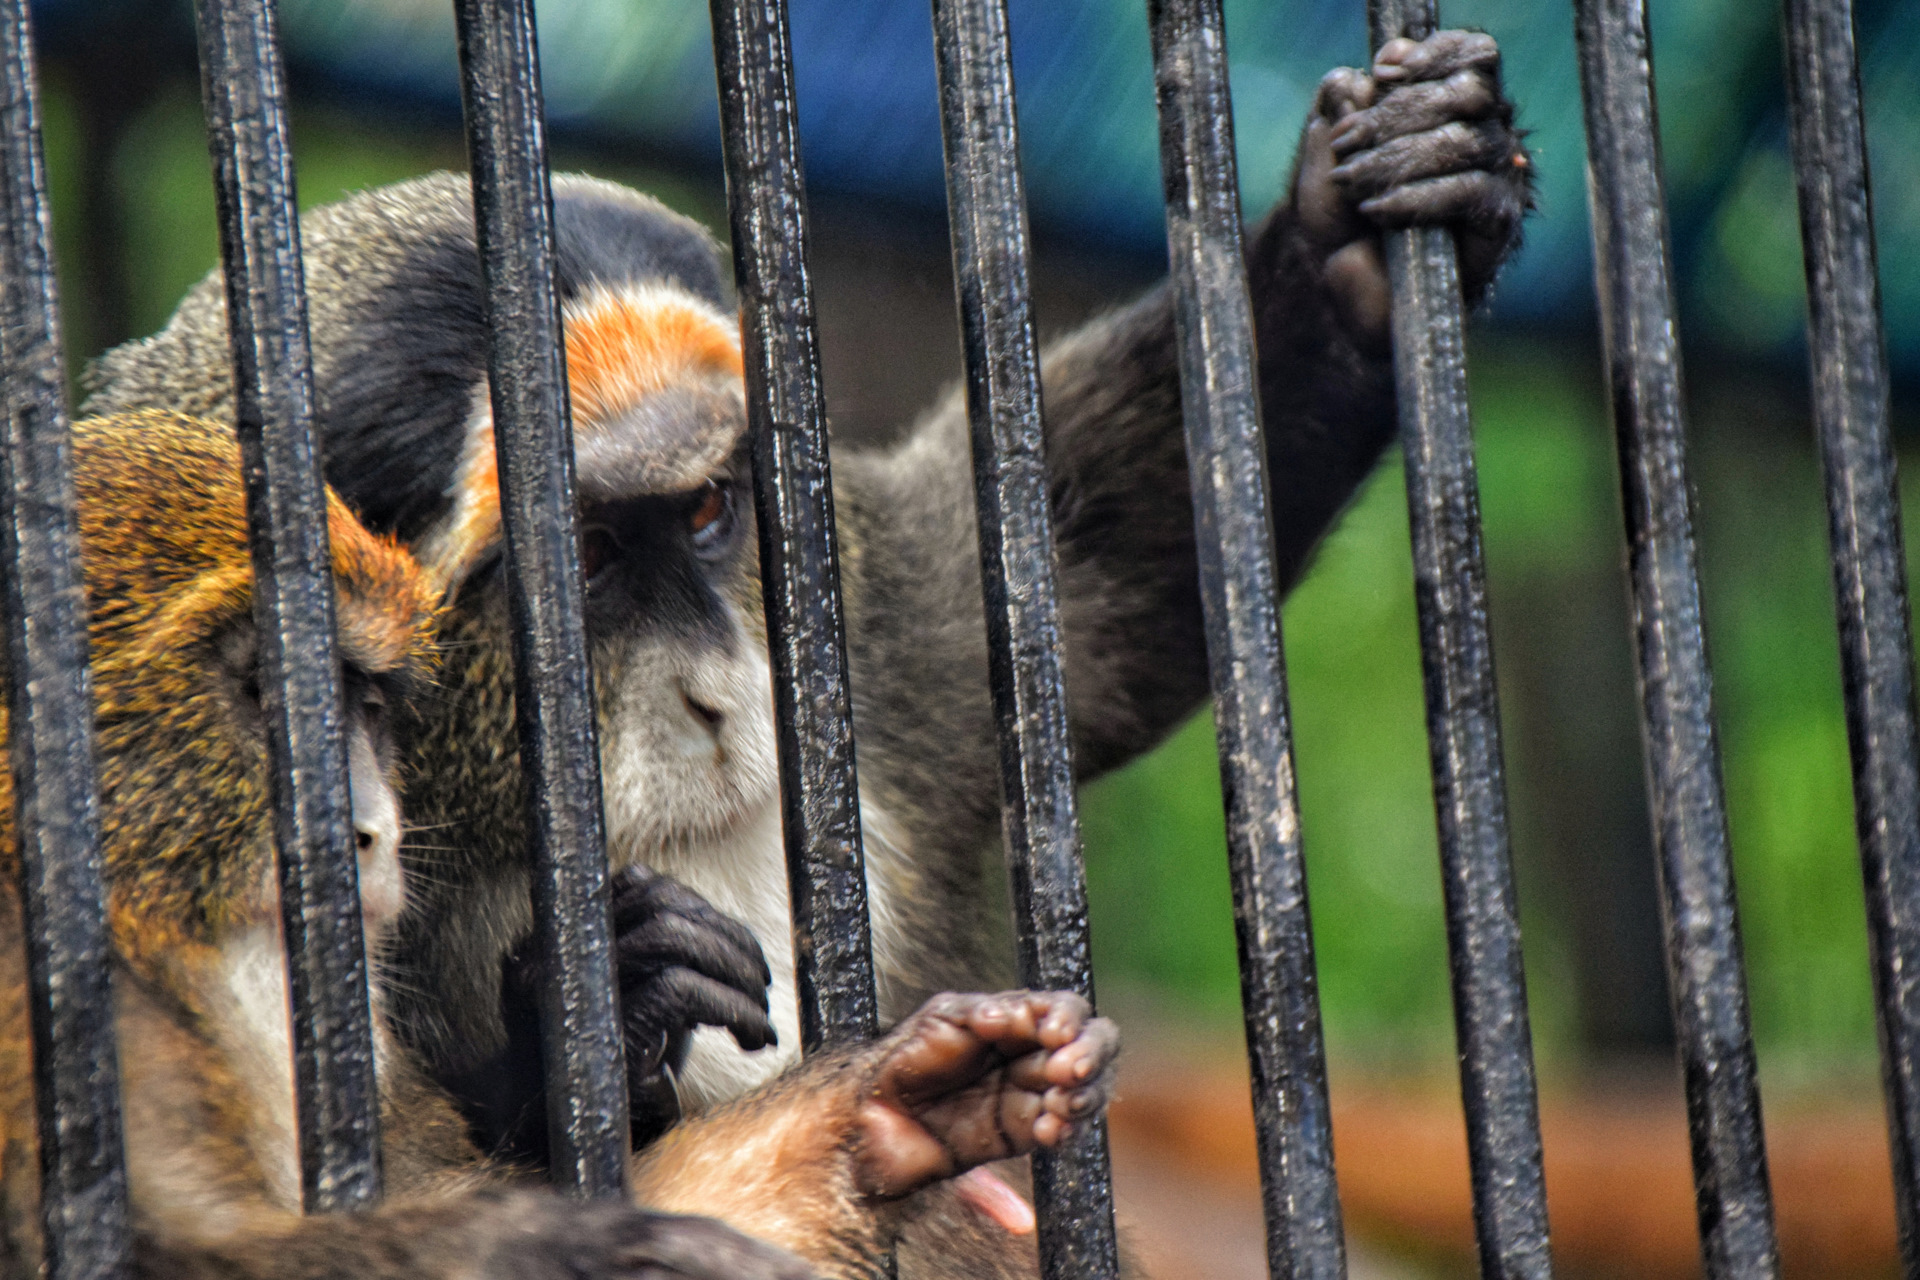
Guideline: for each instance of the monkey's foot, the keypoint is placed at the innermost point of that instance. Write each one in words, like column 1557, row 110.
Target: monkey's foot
column 975, row 1078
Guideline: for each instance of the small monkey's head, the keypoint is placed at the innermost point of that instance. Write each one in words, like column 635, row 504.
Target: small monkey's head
column 184, row 789
column 654, row 372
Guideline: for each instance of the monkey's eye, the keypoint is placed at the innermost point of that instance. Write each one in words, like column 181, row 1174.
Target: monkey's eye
column 710, row 520
column 598, row 549
column 373, row 706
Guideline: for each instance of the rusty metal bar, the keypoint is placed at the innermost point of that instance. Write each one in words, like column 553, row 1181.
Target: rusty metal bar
column 1638, row 331
column 1849, row 373
column 987, row 212
column 793, row 496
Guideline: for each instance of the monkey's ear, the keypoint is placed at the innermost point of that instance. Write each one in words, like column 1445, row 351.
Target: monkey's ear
column 236, row 649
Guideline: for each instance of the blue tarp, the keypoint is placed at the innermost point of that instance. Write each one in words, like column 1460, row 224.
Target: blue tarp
column 640, row 71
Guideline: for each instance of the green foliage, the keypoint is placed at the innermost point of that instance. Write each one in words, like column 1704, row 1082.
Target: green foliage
column 1154, row 831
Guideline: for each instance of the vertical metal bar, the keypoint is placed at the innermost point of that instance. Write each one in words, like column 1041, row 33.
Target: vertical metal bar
column 793, row 498
column 1463, row 729
column 1849, row 366
column 245, row 93
column 987, row 213
column 83, row 1180
column 1638, row 330
column 1240, row 595
column 553, row 691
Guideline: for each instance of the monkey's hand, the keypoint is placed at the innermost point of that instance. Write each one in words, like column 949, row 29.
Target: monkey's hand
column 1424, row 137
column 681, row 964
column 975, row 1078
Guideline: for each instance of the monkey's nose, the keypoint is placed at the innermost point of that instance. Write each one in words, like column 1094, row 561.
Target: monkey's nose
column 701, row 736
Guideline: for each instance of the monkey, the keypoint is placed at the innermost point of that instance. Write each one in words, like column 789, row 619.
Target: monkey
column 816, row 1166
column 1423, row 136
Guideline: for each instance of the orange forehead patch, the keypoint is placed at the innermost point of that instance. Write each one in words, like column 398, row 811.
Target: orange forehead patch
column 622, row 346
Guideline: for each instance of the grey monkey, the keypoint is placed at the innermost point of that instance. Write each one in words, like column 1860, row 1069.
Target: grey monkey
column 674, row 612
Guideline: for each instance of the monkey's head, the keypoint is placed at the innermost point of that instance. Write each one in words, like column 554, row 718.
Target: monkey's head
column 673, row 612
column 654, row 371
column 185, row 813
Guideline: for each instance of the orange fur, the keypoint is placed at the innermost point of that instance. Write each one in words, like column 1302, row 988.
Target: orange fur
column 623, row 346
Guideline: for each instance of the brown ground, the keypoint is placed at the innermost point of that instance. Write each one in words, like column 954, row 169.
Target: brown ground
column 1619, row 1186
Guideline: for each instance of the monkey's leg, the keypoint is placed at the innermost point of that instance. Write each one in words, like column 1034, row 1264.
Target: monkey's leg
column 493, row 1235
column 819, row 1160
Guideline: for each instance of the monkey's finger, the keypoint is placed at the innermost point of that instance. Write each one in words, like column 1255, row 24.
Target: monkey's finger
column 1484, row 204
column 1343, row 91
column 682, row 998
column 1456, row 147
column 1074, row 1105
column 982, row 1123
column 1066, row 1013
column 661, row 895
column 1465, row 95
column 1087, row 1056
column 1404, row 61
column 670, row 941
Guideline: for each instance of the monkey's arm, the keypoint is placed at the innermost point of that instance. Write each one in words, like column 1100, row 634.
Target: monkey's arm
column 1441, row 150
column 819, row 1160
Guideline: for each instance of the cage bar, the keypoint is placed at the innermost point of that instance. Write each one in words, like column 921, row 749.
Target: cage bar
column 244, row 88
column 793, row 500
column 83, row 1182
column 1240, row 596
column 581, row 1042
column 1637, row 325
column 1463, row 730
column 1849, row 370
column 987, row 212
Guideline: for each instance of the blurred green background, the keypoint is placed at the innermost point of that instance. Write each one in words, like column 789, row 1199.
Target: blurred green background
column 134, row 227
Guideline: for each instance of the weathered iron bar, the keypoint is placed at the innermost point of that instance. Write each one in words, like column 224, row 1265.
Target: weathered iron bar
column 793, row 496
column 1463, row 730
column 244, row 88
column 84, row 1218
column 1849, row 372
column 1638, row 332
column 581, row 1041
column 1240, row 596
column 987, row 213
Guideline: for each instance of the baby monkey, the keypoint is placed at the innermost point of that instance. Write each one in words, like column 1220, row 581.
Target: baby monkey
column 805, row 1176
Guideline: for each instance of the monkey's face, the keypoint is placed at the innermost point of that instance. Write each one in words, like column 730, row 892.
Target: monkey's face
column 681, row 672
column 184, row 770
